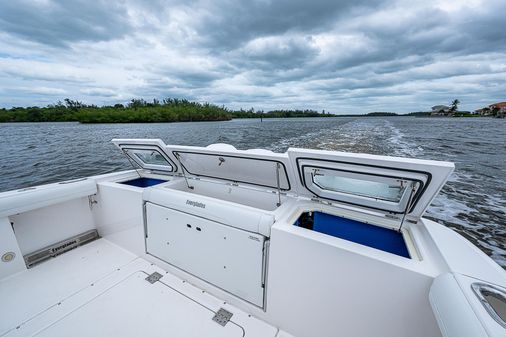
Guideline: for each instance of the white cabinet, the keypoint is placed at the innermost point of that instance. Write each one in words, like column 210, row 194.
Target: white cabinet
column 230, row 258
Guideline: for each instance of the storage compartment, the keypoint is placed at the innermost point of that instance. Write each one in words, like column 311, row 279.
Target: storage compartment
column 267, row 201
column 143, row 182
column 384, row 239
column 230, row 258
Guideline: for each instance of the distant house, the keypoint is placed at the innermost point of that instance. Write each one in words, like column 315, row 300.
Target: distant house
column 501, row 106
column 496, row 109
column 440, row 110
column 483, row 111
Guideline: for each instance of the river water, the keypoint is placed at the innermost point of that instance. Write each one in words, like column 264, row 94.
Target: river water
column 473, row 202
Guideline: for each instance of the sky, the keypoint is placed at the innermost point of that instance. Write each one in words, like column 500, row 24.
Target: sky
column 341, row 56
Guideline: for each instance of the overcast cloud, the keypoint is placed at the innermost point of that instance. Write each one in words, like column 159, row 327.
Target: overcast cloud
column 344, row 56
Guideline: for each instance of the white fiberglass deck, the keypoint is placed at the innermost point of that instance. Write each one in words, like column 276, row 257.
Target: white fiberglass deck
column 100, row 290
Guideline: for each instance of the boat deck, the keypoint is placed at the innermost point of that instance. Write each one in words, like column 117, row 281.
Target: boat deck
column 100, row 289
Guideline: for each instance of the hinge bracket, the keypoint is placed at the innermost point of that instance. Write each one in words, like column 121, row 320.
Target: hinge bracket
column 152, row 278
column 222, row 317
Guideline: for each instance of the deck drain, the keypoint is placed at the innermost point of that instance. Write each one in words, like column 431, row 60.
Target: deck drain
column 153, row 277
column 222, row 317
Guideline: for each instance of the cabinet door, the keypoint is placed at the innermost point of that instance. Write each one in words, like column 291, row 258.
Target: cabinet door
column 227, row 257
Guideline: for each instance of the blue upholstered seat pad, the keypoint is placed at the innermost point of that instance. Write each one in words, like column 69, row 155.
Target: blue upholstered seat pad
column 143, row 182
column 384, row 239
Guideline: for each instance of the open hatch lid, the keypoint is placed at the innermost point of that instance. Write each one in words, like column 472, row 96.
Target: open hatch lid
column 390, row 185
column 148, row 154
column 255, row 167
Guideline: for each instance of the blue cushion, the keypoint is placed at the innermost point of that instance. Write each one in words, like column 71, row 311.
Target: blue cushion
column 384, row 239
column 143, row 182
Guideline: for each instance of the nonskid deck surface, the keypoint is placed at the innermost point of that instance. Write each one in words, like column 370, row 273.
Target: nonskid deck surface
column 101, row 289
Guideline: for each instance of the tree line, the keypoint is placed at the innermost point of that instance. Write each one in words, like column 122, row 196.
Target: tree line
column 136, row 111
column 140, row 111
column 279, row 113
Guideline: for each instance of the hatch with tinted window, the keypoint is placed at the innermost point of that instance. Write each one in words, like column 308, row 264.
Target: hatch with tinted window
column 147, row 154
column 380, row 183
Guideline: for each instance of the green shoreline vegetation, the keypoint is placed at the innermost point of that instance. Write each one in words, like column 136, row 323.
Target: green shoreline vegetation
column 156, row 111
column 141, row 111
column 136, row 111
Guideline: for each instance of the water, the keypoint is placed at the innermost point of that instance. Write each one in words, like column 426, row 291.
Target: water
column 473, row 202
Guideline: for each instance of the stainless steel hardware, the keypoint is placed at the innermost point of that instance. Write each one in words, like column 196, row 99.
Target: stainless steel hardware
column 222, row 317
column 152, row 278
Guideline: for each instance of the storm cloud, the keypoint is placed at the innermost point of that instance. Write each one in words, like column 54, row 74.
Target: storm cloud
column 347, row 56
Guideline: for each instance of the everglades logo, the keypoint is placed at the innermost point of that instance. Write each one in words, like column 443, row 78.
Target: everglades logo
column 195, row 203
column 63, row 246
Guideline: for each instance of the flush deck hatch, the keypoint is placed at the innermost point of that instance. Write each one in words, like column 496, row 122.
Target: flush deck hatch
column 135, row 307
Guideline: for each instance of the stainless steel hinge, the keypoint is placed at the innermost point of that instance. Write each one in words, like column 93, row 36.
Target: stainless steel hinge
column 153, row 277
column 222, row 317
